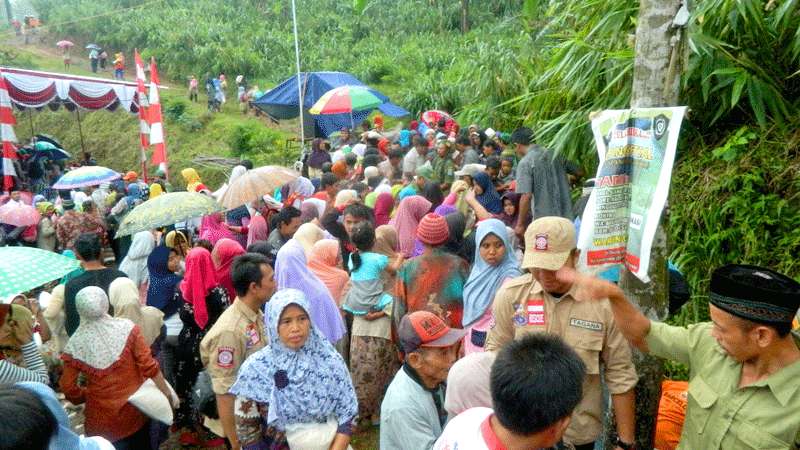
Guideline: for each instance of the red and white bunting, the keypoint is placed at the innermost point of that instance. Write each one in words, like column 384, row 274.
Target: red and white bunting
column 7, row 136
column 144, row 104
column 156, row 123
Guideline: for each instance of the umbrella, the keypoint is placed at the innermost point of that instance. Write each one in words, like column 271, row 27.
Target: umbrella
column 24, row 196
column 255, row 184
column 167, row 209
column 62, row 44
column 25, row 268
column 48, row 138
column 44, row 146
column 55, row 154
column 346, row 99
column 93, row 47
column 434, row 116
column 85, row 176
column 19, row 215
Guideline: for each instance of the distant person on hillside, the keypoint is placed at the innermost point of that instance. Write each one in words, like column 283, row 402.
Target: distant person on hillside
column 67, row 59
column 193, row 89
column 119, row 66
column 223, row 84
column 93, row 59
column 103, row 59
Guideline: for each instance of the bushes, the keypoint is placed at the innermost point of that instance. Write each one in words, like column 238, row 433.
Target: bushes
column 249, row 140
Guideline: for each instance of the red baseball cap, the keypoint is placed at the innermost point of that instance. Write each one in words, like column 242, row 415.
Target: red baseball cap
column 425, row 329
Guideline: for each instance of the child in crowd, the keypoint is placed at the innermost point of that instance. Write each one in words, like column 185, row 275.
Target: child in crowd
column 366, row 292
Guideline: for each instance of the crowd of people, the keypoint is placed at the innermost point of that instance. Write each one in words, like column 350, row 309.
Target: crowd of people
column 423, row 280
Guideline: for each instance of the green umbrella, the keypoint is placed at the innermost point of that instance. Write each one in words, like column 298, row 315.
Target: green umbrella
column 25, row 268
column 167, row 209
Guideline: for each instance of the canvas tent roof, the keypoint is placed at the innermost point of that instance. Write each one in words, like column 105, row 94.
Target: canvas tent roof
column 281, row 102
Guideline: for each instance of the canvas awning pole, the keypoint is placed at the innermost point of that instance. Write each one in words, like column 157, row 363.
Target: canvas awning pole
column 30, row 121
column 80, row 129
column 299, row 88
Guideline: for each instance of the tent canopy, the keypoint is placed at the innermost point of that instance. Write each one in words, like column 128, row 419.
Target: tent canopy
column 281, row 102
column 36, row 89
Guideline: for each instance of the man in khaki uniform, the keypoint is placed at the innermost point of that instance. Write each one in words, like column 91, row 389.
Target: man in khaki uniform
column 237, row 334
column 538, row 302
column 744, row 365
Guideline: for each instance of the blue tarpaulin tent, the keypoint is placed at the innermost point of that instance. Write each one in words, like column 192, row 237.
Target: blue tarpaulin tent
column 281, row 102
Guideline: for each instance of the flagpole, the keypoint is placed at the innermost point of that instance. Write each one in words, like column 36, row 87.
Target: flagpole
column 299, row 87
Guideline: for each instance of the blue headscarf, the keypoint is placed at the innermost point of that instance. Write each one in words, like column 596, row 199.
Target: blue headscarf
column 64, row 438
column 162, row 282
column 484, row 280
column 308, row 385
column 490, row 199
column 134, row 194
column 405, row 138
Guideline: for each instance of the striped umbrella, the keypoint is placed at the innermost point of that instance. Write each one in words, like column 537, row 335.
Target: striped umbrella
column 346, row 99
column 86, row 176
column 25, row 268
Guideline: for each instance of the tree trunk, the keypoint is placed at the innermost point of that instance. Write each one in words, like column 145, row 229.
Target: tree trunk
column 656, row 82
column 9, row 14
column 464, row 16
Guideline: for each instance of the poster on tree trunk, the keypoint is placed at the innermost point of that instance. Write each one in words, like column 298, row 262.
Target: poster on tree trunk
column 636, row 148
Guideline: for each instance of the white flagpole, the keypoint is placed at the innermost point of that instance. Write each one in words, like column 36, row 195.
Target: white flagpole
column 299, row 87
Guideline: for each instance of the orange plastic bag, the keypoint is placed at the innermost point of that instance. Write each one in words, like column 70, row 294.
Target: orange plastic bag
column 671, row 413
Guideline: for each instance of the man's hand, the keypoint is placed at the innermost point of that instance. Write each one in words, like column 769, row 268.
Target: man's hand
column 590, row 287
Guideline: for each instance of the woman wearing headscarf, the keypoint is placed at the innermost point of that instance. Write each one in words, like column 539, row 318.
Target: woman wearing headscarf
column 105, row 361
column 411, row 210
column 319, row 156
column 373, row 355
column 495, row 263
column 191, row 178
column 307, row 235
column 46, row 229
column 383, row 209
column 299, row 190
column 296, row 392
column 213, row 228
column 510, row 211
column 124, row 299
column 162, row 265
column 155, row 190
column 202, row 301
column 20, row 359
column 257, row 230
column 225, row 251
column 176, row 239
column 486, row 194
column 291, row 271
column 63, row 436
column 325, row 262
column 312, row 208
column 135, row 263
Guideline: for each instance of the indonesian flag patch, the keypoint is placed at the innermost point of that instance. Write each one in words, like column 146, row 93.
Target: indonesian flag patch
column 536, row 315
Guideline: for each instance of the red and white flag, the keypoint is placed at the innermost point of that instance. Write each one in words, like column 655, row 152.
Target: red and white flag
column 156, row 123
column 7, row 136
column 144, row 104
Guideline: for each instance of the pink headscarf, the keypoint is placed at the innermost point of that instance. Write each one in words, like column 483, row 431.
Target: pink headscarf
column 212, row 228
column 197, row 281
column 383, row 209
column 323, row 261
column 224, row 253
column 257, row 230
column 411, row 210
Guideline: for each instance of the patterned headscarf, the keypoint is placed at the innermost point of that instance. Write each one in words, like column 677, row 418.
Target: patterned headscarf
column 308, row 385
column 100, row 339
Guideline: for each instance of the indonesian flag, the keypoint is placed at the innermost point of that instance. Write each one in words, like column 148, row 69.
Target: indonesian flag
column 144, row 128
column 7, row 136
column 156, row 123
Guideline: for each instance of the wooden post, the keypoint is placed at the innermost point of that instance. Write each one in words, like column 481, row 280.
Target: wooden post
column 80, row 129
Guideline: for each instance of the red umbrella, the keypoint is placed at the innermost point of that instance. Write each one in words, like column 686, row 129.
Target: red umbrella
column 62, row 44
column 433, row 116
column 19, row 215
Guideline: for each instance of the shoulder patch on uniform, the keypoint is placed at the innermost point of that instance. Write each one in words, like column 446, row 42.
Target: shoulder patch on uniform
column 587, row 324
column 225, row 357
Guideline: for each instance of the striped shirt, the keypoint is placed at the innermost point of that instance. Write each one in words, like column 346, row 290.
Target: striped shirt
column 36, row 371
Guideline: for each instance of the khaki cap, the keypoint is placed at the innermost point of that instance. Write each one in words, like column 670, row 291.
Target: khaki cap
column 548, row 243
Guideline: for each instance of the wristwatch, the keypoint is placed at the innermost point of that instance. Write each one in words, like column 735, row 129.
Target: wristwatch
column 622, row 444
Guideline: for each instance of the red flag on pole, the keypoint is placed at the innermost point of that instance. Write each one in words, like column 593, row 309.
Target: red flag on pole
column 156, row 124
column 144, row 104
column 7, row 136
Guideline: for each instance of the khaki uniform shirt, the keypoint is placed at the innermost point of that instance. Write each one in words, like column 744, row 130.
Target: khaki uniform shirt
column 521, row 306
column 237, row 334
column 764, row 415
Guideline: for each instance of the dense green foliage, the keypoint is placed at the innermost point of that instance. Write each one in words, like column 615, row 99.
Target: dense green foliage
column 736, row 194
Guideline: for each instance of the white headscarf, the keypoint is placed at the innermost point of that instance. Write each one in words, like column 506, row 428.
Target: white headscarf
column 235, row 173
column 135, row 263
column 100, row 339
column 124, row 297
